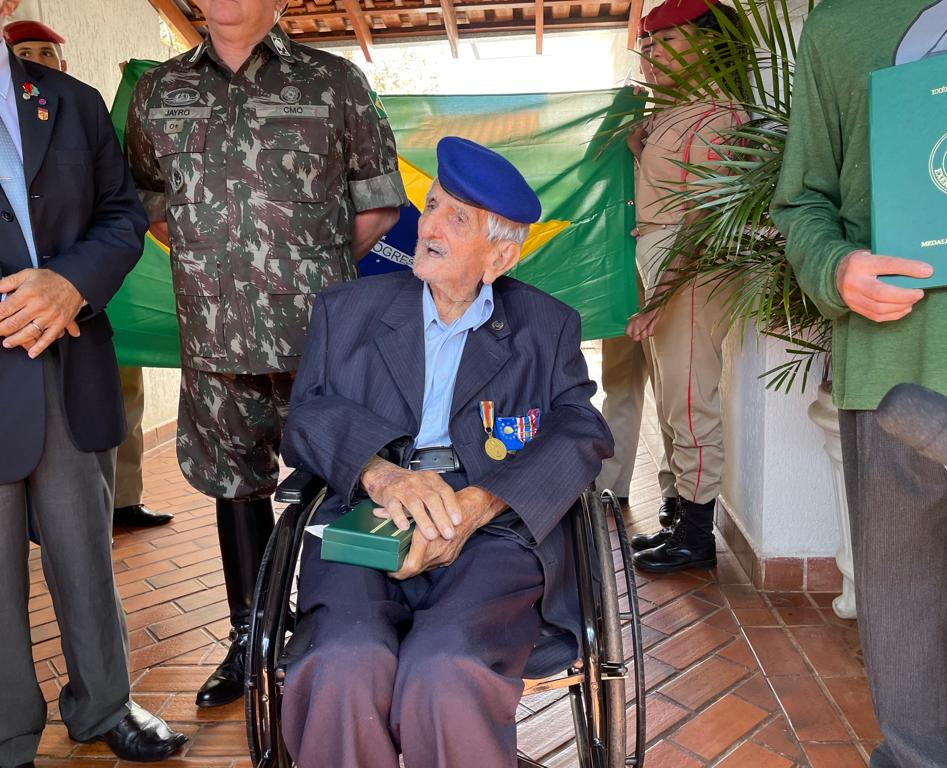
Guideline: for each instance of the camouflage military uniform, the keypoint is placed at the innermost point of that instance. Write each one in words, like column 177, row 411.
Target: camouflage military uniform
column 260, row 175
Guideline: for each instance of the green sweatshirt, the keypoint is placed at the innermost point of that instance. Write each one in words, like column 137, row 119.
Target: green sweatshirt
column 822, row 200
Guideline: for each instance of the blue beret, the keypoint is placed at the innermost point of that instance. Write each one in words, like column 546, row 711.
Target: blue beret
column 479, row 176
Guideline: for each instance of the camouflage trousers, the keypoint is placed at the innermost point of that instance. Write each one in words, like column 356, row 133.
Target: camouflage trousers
column 229, row 431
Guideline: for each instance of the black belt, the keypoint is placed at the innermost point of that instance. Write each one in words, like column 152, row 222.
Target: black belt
column 438, row 460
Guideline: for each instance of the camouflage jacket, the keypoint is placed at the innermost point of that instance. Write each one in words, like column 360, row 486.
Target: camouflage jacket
column 260, row 175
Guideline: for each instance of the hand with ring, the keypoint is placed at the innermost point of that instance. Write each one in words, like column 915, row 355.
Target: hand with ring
column 41, row 306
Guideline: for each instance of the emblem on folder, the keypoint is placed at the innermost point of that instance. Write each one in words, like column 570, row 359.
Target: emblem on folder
column 938, row 164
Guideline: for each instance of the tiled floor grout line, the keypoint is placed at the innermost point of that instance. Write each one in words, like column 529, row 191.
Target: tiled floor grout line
column 839, row 712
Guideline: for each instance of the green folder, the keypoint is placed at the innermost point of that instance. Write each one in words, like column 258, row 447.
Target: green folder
column 908, row 150
column 360, row 538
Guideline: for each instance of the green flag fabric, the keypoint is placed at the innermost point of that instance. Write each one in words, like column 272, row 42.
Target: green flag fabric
column 143, row 312
column 566, row 145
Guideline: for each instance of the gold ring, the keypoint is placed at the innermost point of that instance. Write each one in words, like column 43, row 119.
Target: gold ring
column 36, row 326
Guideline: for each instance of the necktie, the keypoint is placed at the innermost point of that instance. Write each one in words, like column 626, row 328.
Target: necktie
column 14, row 186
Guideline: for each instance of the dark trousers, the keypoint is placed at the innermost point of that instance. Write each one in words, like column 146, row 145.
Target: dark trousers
column 430, row 667
column 68, row 502
column 898, row 506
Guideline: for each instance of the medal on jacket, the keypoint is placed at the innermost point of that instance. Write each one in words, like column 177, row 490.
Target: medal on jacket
column 493, row 447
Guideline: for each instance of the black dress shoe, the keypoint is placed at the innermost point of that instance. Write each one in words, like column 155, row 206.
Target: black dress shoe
column 142, row 737
column 226, row 684
column 668, row 512
column 139, row 516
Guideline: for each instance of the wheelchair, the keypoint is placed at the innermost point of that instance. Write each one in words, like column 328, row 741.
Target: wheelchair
column 595, row 681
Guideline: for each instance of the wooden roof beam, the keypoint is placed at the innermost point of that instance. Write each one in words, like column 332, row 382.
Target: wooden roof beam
column 363, row 32
column 449, row 15
column 177, row 21
column 634, row 21
column 540, row 20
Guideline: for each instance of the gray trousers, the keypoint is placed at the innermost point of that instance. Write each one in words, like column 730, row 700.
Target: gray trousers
column 431, row 667
column 68, row 501
column 898, row 506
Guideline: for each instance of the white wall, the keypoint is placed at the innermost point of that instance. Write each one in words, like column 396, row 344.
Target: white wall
column 100, row 34
column 777, row 480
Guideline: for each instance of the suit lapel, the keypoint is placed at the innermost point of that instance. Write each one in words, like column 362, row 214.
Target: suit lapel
column 401, row 345
column 486, row 352
column 35, row 132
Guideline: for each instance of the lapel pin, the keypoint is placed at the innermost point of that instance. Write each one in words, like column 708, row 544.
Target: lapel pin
column 42, row 102
column 42, row 114
column 29, row 91
column 497, row 325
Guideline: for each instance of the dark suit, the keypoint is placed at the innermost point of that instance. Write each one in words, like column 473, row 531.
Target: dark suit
column 360, row 387
column 89, row 227
column 61, row 414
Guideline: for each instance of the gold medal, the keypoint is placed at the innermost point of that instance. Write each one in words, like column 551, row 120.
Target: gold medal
column 495, row 449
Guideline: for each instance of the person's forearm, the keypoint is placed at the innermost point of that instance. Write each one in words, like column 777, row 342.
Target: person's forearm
column 370, row 226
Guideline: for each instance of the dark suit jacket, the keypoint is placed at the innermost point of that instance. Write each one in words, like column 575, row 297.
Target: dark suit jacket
column 89, row 227
column 361, row 385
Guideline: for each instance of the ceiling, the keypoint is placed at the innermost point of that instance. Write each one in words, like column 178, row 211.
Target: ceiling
column 367, row 22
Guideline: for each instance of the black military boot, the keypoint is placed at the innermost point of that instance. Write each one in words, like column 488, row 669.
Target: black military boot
column 667, row 515
column 244, row 528
column 690, row 545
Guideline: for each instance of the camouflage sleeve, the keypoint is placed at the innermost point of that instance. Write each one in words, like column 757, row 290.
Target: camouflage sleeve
column 369, row 147
column 141, row 155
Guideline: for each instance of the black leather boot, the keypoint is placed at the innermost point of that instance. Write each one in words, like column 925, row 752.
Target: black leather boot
column 690, row 545
column 244, row 528
column 667, row 515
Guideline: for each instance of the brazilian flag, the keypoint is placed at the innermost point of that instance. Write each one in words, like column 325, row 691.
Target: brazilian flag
column 567, row 145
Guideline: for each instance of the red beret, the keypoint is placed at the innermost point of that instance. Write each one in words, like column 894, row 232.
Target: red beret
column 30, row 31
column 674, row 13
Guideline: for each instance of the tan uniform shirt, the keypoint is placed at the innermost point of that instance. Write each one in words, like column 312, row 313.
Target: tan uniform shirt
column 690, row 133
column 260, row 174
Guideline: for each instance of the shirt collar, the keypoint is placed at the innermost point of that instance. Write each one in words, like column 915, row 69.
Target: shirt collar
column 475, row 315
column 6, row 74
column 276, row 40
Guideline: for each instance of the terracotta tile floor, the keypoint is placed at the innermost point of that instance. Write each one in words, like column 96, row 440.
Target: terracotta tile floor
column 736, row 678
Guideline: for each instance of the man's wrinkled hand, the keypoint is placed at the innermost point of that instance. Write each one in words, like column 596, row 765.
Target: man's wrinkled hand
column 857, row 282
column 41, row 306
column 477, row 509
column 422, row 496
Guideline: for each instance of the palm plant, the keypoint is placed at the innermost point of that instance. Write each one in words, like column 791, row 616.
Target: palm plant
column 729, row 238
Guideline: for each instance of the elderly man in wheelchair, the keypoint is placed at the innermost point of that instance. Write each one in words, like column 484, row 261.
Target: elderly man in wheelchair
column 458, row 400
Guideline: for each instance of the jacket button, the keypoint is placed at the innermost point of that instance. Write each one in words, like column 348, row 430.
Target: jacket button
column 6, row 216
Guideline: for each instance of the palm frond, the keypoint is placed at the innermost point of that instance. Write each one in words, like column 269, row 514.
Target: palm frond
column 733, row 244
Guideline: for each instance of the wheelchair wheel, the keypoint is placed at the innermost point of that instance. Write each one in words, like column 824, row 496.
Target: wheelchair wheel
column 598, row 704
column 634, row 617
column 270, row 620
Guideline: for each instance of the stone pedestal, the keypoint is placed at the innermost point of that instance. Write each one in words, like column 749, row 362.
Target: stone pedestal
column 825, row 415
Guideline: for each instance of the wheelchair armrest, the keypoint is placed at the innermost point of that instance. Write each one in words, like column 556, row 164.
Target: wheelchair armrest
column 301, row 487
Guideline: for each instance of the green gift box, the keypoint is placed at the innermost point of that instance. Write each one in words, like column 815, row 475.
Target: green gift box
column 360, row 538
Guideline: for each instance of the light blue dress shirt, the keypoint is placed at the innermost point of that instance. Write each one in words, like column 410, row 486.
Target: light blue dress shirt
column 11, row 154
column 443, row 348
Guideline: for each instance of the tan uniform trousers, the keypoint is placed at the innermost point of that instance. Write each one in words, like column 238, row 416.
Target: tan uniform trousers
column 626, row 369
column 128, row 484
column 687, row 360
